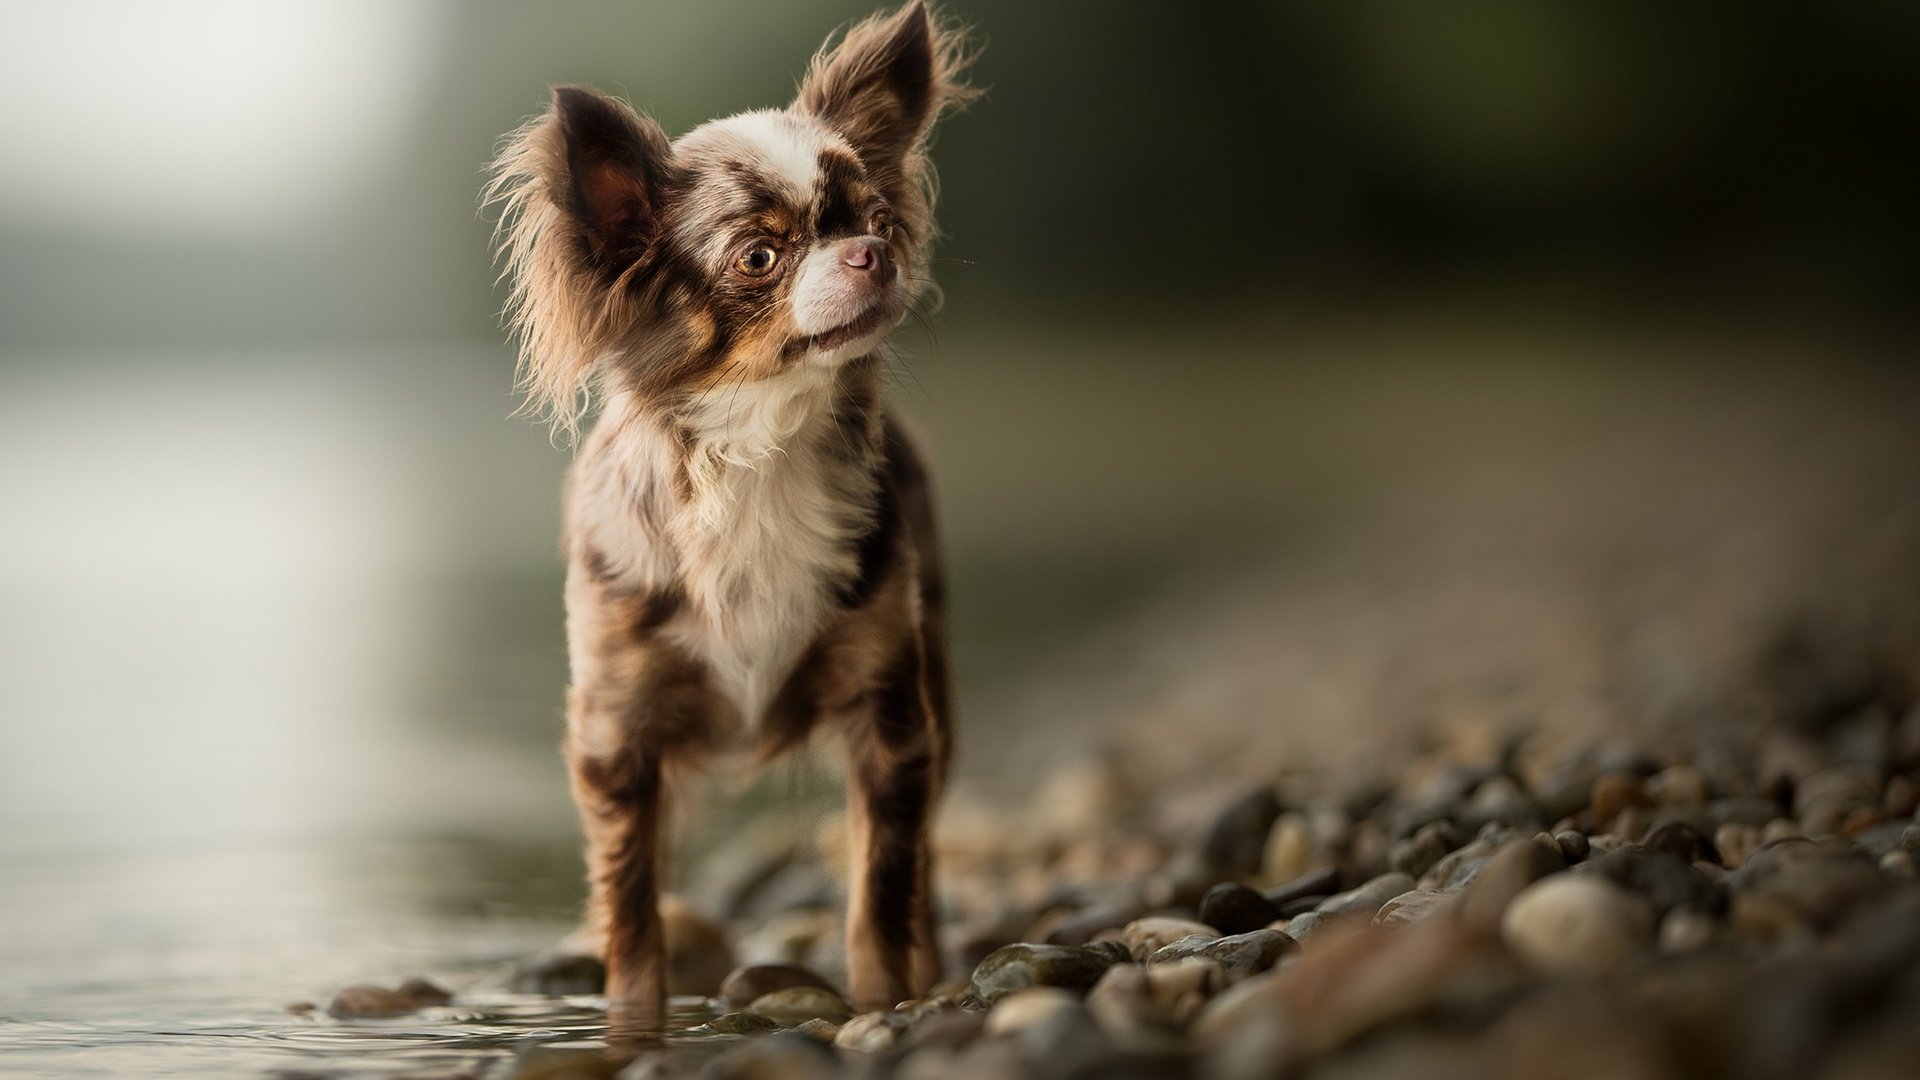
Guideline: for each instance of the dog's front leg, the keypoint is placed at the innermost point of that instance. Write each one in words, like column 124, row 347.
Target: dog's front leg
column 621, row 806
column 637, row 708
column 895, row 776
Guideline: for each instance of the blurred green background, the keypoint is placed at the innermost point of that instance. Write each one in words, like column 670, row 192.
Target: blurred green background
column 1227, row 285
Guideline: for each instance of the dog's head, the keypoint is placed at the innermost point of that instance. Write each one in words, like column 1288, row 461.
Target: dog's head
column 762, row 243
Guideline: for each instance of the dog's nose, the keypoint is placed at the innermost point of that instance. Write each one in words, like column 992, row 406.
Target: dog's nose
column 869, row 254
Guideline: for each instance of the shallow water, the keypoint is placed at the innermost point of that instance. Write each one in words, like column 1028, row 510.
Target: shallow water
column 202, row 963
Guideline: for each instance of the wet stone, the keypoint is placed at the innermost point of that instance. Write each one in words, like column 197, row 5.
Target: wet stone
column 1233, row 908
column 559, row 974
column 785, row 1056
column 1015, row 967
column 798, row 1004
column 366, row 1001
column 738, row 1023
column 424, row 992
column 745, row 984
column 870, row 1032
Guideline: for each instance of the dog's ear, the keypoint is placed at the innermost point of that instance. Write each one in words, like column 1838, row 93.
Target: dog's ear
column 886, row 82
column 616, row 163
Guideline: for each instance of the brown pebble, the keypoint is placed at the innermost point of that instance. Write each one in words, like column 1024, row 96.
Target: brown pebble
column 1573, row 844
column 364, row 1000
column 1612, row 793
column 1735, row 842
column 1860, row 819
column 1680, row 785
column 423, row 992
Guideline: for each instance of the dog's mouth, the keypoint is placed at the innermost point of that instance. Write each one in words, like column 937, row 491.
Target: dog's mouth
column 865, row 323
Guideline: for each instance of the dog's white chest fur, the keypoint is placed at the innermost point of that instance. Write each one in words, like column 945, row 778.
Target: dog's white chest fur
column 767, row 536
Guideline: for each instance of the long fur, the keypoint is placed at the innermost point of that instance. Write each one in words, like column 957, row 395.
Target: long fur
column 750, row 543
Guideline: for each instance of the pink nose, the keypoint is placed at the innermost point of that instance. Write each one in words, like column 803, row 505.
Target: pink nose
column 869, row 254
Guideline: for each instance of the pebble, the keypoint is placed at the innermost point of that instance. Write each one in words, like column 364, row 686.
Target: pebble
column 1573, row 925
column 869, row 1033
column 1612, row 793
column 1288, row 850
column 1239, row 956
column 1679, row 839
column 798, row 1004
column 1794, row 886
column 1143, row 937
column 1015, row 967
column 1572, row 844
column 1679, row 785
column 1023, row 1009
column 365, row 1000
column 699, row 950
column 559, row 973
column 1511, row 869
column 745, row 984
column 1309, row 925
column 1080, row 927
column 1459, row 868
column 1666, row 881
column 820, row 1031
column 1412, row 906
column 1736, row 841
column 738, row 1023
column 1232, row 908
column 1322, row 882
column 1428, row 845
column 1235, row 843
column 424, row 992
column 1823, row 800
column 1368, row 898
column 781, row 1056
column 1500, row 800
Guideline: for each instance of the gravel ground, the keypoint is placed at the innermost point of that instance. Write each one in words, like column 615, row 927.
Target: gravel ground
column 1597, row 760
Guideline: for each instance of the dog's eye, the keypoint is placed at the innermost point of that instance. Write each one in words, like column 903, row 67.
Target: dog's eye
column 881, row 225
column 758, row 260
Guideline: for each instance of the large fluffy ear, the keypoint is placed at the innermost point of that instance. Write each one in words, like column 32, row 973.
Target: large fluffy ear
column 581, row 189
column 886, row 82
column 616, row 160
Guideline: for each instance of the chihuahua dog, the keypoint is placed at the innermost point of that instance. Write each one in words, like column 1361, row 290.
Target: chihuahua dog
column 749, row 539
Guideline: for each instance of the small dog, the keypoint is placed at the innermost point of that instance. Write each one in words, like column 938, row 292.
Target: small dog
column 750, row 542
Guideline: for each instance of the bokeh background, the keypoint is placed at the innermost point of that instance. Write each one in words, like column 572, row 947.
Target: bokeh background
column 1308, row 372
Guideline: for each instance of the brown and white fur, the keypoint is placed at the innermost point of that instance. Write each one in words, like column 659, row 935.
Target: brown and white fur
column 749, row 540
